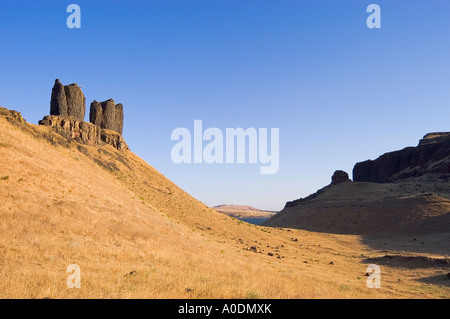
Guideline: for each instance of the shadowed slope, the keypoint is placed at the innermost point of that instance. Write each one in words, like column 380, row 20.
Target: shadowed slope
column 368, row 209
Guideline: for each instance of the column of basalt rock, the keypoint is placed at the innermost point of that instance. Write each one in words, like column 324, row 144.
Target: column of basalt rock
column 76, row 102
column 67, row 100
column 58, row 102
column 107, row 115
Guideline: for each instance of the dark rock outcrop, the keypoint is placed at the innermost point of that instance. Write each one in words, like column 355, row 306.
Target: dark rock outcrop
column 12, row 116
column 70, row 128
column 58, row 102
column 339, row 177
column 76, row 102
column 432, row 155
column 96, row 114
column 434, row 138
column 113, row 138
column 67, row 110
column 83, row 132
column 107, row 115
column 119, row 118
column 67, row 100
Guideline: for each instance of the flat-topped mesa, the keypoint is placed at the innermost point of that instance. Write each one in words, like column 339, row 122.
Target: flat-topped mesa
column 68, row 100
column 431, row 156
column 434, row 137
column 107, row 115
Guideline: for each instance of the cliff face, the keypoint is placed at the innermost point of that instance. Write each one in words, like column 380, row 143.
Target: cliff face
column 432, row 155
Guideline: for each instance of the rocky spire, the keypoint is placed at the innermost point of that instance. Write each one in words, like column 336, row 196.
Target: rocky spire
column 58, row 102
column 107, row 115
column 67, row 100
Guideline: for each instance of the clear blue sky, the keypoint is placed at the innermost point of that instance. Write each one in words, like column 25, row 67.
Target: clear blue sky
column 338, row 91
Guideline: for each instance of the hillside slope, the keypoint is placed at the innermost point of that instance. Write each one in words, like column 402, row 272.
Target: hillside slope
column 398, row 209
column 135, row 234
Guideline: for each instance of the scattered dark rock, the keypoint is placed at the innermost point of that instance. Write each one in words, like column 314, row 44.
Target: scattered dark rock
column 270, row 254
column 188, row 290
column 331, row 263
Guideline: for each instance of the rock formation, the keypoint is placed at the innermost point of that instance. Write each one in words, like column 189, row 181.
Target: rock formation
column 67, row 110
column 67, row 100
column 107, row 115
column 432, row 155
column 339, row 177
column 70, row 128
column 83, row 132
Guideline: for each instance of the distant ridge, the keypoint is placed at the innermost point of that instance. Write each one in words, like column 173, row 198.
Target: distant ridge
column 431, row 155
column 243, row 211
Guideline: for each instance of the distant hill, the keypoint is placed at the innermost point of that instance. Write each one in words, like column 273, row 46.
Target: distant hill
column 370, row 209
column 243, row 212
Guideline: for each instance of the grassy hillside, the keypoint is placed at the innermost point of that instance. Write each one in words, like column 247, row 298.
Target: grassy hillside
column 406, row 208
column 135, row 234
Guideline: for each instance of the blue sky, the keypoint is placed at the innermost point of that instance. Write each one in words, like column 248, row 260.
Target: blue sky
column 338, row 91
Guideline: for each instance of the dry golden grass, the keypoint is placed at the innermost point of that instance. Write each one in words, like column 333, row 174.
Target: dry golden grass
column 135, row 234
